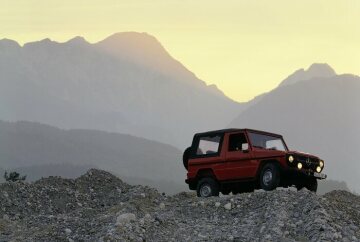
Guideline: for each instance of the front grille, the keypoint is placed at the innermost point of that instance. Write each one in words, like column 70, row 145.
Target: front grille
column 308, row 163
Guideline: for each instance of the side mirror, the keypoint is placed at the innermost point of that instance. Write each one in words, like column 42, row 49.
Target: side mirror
column 245, row 147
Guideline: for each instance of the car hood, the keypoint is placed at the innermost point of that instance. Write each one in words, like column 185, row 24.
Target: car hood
column 297, row 153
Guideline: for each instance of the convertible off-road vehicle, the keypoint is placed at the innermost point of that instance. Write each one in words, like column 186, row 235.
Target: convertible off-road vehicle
column 241, row 160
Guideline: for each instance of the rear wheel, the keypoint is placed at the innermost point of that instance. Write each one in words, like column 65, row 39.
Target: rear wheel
column 269, row 176
column 207, row 187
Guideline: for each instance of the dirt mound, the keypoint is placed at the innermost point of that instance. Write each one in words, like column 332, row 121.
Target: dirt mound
column 99, row 206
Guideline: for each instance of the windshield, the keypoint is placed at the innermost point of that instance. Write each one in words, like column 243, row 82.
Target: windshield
column 268, row 142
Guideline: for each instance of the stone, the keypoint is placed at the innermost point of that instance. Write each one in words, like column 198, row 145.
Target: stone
column 293, row 189
column 68, row 231
column 259, row 191
column 268, row 236
column 125, row 218
column 227, row 206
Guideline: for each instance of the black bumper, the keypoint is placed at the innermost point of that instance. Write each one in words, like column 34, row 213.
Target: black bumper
column 295, row 173
column 319, row 175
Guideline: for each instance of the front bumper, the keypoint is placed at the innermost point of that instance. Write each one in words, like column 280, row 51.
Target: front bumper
column 295, row 174
column 313, row 173
column 319, row 175
column 308, row 167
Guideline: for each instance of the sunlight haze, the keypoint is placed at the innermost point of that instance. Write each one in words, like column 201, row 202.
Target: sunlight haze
column 244, row 47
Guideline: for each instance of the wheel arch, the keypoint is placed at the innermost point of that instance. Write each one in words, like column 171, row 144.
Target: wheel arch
column 201, row 173
column 205, row 172
column 267, row 161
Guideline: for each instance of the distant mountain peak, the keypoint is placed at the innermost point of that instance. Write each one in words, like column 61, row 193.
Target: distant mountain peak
column 321, row 70
column 133, row 43
column 131, row 35
column 8, row 43
column 145, row 50
column 41, row 43
column 78, row 40
column 316, row 70
column 44, row 41
column 124, row 39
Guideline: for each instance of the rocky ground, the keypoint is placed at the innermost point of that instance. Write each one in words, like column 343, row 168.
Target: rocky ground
column 100, row 207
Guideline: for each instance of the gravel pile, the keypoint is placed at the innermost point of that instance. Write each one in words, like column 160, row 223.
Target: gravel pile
column 100, row 207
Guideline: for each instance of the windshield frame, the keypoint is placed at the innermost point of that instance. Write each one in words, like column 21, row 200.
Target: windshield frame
column 249, row 132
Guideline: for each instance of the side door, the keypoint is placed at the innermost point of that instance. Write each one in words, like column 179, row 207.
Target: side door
column 239, row 160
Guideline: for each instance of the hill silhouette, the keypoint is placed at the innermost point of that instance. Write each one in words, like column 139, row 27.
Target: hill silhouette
column 127, row 83
column 319, row 116
column 38, row 150
column 316, row 70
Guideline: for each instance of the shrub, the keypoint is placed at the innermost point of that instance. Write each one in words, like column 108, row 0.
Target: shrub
column 13, row 176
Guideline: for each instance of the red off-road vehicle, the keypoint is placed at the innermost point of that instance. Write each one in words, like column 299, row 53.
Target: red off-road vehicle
column 241, row 160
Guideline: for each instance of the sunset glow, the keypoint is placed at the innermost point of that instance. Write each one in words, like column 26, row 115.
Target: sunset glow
column 244, row 47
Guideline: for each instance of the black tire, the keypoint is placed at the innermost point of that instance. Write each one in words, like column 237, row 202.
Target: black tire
column 269, row 177
column 299, row 186
column 186, row 157
column 234, row 192
column 207, row 187
column 312, row 184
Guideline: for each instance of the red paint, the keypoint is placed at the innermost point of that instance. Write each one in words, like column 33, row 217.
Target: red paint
column 239, row 165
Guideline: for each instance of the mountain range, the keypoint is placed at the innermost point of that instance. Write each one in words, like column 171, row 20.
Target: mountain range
column 126, row 83
column 126, row 91
column 39, row 150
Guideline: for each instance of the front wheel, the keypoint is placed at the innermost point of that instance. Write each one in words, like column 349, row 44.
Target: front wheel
column 312, row 184
column 269, row 176
column 207, row 187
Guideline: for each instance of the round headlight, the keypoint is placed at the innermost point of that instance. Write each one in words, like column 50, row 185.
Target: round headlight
column 321, row 163
column 299, row 165
column 291, row 158
column 318, row 169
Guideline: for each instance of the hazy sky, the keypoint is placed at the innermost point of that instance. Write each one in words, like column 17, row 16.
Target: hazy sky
column 244, row 47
